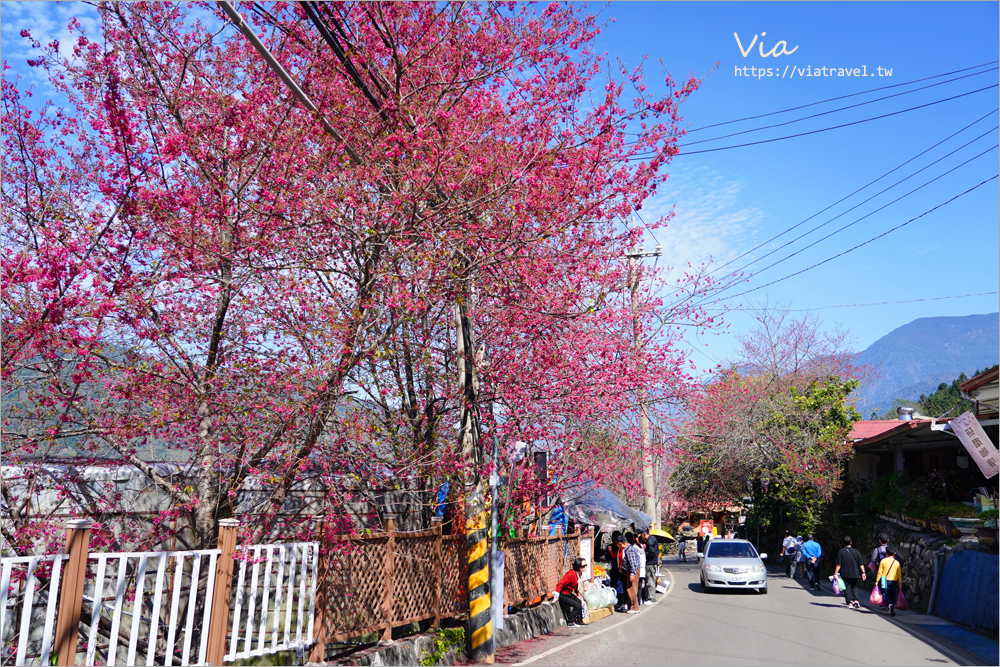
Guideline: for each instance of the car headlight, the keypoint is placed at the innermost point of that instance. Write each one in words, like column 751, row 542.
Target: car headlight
column 757, row 568
column 712, row 568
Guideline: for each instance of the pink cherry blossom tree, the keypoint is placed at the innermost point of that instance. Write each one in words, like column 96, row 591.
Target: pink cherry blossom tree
column 195, row 263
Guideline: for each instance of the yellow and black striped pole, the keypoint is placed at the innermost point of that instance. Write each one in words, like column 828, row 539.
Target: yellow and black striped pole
column 478, row 553
column 480, row 631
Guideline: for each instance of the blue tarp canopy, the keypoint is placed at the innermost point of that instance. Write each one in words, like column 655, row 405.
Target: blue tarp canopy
column 594, row 505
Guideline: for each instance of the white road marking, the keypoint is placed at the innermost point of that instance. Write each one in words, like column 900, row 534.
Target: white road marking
column 593, row 634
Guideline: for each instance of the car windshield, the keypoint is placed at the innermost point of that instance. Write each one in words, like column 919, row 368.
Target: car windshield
column 731, row 550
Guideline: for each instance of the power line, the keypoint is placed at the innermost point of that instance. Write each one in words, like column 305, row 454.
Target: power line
column 824, row 113
column 841, row 97
column 874, row 238
column 870, row 183
column 681, row 152
column 850, row 224
column 868, row 215
column 865, row 201
column 885, row 303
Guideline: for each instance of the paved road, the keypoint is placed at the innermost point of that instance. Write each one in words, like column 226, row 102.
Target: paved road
column 789, row 626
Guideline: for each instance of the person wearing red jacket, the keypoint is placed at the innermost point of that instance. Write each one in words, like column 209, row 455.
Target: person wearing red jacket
column 569, row 594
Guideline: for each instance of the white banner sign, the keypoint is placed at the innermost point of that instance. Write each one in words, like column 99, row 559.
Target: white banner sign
column 586, row 551
column 972, row 435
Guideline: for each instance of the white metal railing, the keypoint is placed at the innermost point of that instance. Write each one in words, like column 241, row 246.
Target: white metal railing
column 155, row 606
column 263, row 604
column 178, row 574
column 24, row 589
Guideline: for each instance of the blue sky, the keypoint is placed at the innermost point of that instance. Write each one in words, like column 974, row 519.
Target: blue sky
column 731, row 202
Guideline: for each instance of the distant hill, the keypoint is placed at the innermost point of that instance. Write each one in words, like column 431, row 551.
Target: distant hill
column 915, row 358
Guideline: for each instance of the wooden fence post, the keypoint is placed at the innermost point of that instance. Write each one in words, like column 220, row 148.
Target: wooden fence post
column 71, row 596
column 218, row 625
column 390, row 565
column 436, row 522
column 318, row 652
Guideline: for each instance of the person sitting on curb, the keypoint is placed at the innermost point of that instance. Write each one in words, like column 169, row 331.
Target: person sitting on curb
column 569, row 594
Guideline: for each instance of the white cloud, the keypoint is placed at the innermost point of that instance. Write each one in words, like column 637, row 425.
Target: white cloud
column 712, row 220
column 47, row 22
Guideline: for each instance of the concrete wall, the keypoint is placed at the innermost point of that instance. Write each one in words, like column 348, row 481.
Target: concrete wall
column 967, row 593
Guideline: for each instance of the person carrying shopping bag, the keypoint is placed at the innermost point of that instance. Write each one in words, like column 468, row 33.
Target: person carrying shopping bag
column 890, row 576
column 850, row 568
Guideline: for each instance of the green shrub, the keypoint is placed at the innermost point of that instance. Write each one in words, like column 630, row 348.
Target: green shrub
column 444, row 641
column 957, row 510
column 918, row 508
column 886, row 494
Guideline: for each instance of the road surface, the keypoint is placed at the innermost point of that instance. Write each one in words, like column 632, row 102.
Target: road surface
column 789, row 626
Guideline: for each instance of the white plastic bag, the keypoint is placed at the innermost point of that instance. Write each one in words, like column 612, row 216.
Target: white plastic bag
column 600, row 595
column 593, row 597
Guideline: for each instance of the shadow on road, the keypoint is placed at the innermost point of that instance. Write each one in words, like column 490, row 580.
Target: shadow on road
column 696, row 588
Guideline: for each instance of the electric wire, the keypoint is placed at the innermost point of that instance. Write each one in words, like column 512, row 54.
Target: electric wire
column 865, row 201
column 874, row 238
column 824, row 113
column 867, row 185
column 841, row 97
column 850, row 224
column 682, row 152
column 888, row 303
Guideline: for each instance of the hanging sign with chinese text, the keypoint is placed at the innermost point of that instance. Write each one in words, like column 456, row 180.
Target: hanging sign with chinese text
column 972, row 435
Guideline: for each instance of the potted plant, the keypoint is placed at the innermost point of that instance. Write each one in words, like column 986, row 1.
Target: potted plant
column 989, row 518
column 953, row 517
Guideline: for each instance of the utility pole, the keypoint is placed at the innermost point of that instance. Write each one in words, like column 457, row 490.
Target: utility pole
column 648, row 478
column 480, row 632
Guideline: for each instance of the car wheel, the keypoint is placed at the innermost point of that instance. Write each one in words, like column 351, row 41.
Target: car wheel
column 762, row 591
column 704, row 587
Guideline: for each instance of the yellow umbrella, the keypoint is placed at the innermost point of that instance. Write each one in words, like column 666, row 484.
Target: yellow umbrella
column 661, row 535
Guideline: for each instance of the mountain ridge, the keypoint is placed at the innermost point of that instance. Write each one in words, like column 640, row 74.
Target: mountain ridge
column 915, row 358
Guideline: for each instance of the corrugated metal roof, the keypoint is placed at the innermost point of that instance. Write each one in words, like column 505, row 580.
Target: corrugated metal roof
column 873, row 428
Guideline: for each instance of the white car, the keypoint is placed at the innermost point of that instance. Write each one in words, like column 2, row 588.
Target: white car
column 732, row 564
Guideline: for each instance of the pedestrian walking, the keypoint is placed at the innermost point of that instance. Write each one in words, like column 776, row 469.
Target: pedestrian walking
column 652, row 564
column 850, row 567
column 569, row 594
column 812, row 552
column 890, row 575
column 682, row 546
column 788, row 553
column 631, row 571
column 800, row 564
column 878, row 553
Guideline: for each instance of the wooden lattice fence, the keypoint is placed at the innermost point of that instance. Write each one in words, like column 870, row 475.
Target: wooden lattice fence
column 374, row 583
column 533, row 565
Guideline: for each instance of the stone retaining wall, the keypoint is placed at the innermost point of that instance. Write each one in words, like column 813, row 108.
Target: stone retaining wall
column 917, row 551
column 527, row 623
